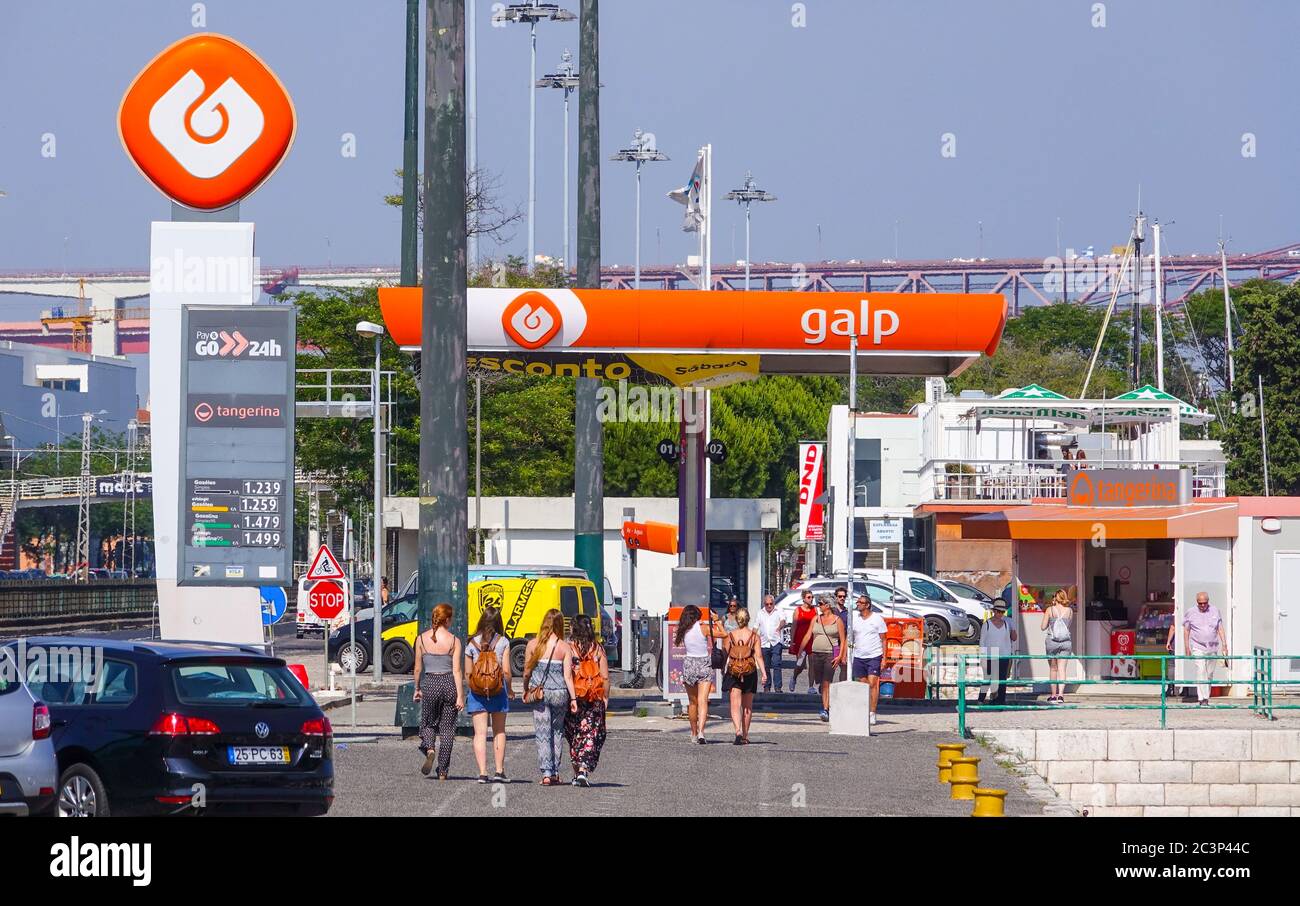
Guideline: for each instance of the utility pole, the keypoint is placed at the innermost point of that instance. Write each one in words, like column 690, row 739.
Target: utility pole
column 410, row 150
column 1227, row 317
column 444, row 517
column 642, row 151
column 1139, row 235
column 83, row 504
column 746, row 195
column 588, row 447
column 1160, row 310
column 567, row 80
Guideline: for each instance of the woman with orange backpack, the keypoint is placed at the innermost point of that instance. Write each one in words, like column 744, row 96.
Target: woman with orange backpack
column 744, row 669
column 487, row 671
column 586, row 672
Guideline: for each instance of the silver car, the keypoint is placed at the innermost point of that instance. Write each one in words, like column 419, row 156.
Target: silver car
column 29, row 769
column 789, row 602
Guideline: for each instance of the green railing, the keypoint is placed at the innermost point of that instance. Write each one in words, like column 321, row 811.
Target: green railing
column 1260, row 701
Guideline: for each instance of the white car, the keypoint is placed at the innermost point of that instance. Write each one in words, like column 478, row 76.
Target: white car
column 943, row 622
column 928, row 588
column 29, row 769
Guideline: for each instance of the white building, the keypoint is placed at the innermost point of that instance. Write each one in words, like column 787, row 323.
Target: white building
column 540, row 530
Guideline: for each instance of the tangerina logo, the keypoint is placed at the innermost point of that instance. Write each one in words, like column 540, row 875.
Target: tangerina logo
column 203, row 412
column 1081, row 490
column 532, row 320
column 206, row 121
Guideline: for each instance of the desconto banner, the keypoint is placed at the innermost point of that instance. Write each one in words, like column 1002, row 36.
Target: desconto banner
column 785, row 332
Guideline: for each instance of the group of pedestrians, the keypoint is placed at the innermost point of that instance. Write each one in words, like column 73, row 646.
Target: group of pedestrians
column 565, row 682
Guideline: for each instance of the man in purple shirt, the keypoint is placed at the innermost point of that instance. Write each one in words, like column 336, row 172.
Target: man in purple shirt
column 1204, row 640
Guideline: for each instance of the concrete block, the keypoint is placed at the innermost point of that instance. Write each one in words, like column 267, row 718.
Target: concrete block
column 1187, row 794
column 1216, row 772
column 1139, row 745
column 1275, row 745
column 1277, row 794
column 1212, row 745
column 1266, row 811
column 1039, row 768
column 1166, row 772
column 1113, row 811
column 1232, row 794
column 1266, row 771
column 1088, row 794
column 1115, row 771
column 1295, row 772
column 1019, row 741
column 1164, row 811
column 1071, row 745
column 850, row 709
column 1069, row 772
column 1139, row 794
column 1212, row 811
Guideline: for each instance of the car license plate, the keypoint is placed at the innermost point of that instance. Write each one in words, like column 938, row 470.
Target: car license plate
column 258, row 755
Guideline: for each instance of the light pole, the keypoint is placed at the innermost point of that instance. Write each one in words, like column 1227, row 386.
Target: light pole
column 641, row 151
column 747, row 194
column 532, row 13
column 371, row 329
column 566, row 80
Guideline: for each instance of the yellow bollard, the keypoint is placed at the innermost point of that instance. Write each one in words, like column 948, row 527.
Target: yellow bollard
column 989, row 803
column 947, row 751
column 964, row 777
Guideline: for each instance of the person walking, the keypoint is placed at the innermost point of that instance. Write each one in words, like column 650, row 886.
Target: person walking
column 697, row 668
column 770, row 623
column 587, row 674
column 1058, row 645
column 997, row 641
column 1205, row 642
column 440, row 690
column 824, row 643
column 548, row 688
column 741, row 676
column 804, row 615
column 841, row 608
column 487, row 659
column 729, row 620
column 383, row 591
column 869, row 631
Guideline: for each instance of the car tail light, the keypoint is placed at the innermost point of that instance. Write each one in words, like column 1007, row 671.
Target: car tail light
column 179, row 725
column 317, row 726
column 40, row 721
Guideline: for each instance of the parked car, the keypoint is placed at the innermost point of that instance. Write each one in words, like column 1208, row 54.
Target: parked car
column 29, row 770
column 349, row 651
column 174, row 727
column 789, row 602
column 928, row 588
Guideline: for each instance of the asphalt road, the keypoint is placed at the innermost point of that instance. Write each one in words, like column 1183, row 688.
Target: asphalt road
column 792, row 767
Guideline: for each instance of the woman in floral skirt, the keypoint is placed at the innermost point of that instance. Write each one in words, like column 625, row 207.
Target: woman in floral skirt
column 586, row 671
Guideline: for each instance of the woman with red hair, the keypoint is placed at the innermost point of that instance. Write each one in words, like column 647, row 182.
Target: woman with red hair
column 440, row 690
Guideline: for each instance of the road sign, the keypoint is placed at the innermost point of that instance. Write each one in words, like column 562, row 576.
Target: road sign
column 327, row 599
column 274, row 604
column 324, row 565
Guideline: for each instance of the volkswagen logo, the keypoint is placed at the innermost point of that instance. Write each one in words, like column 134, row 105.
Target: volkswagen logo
column 262, row 730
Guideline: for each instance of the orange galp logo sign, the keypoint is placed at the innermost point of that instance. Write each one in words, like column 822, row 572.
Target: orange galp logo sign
column 206, row 121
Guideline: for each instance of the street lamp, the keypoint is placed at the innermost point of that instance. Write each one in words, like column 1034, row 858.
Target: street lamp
column 532, row 13
column 566, row 80
column 371, row 329
column 747, row 195
column 642, row 150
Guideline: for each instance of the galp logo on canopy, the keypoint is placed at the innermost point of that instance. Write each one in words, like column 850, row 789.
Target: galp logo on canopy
column 206, row 121
column 532, row 320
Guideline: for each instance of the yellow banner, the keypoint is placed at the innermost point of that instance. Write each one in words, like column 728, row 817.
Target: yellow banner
column 702, row 372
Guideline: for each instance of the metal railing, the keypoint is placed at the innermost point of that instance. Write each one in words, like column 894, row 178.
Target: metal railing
column 1025, row 479
column 50, row 599
column 1260, row 701
column 342, row 393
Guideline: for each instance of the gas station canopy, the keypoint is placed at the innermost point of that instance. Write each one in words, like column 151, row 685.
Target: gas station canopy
column 697, row 337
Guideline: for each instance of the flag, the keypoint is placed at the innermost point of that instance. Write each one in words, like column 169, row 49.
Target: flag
column 689, row 195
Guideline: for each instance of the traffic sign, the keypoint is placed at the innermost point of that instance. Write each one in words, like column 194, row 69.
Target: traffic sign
column 327, row 599
column 274, row 604
column 324, row 565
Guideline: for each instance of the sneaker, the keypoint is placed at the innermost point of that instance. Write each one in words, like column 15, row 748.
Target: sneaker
column 873, row 718
column 482, row 778
column 824, row 715
column 498, row 777
column 1203, row 703
column 700, row 739
column 427, row 767
column 581, row 780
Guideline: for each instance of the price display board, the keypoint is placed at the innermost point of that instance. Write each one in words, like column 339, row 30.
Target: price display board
column 236, row 450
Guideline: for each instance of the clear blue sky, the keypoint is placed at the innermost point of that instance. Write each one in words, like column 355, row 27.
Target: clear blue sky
column 842, row 119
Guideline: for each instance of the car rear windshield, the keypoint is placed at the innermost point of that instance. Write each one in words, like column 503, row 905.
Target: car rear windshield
column 233, row 683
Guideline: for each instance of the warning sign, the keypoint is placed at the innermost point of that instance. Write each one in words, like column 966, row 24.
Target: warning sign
column 324, row 565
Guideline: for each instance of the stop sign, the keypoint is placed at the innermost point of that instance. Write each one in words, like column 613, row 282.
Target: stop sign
column 326, row 599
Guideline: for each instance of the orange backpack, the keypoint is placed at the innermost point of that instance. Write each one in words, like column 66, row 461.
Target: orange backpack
column 740, row 661
column 587, row 681
column 485, row 677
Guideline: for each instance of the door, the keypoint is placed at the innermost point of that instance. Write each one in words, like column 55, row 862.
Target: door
column 1128, row 577
column 1286, row 614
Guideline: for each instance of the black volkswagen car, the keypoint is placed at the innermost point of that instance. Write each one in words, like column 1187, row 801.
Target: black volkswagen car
column 179, row 727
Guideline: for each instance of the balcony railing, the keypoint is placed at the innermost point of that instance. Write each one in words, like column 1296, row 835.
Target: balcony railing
column 980, row 480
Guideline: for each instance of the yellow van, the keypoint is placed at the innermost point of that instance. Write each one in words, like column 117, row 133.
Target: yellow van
column 522, row 594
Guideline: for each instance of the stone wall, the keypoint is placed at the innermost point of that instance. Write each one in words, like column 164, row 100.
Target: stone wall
column 1165, row 773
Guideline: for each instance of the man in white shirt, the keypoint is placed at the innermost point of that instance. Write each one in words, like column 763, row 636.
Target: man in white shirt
column 768, row 623
column 869, row 632
column 997, row 641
